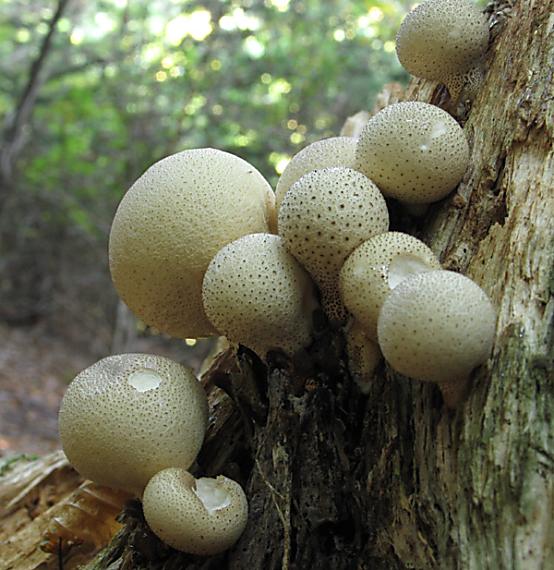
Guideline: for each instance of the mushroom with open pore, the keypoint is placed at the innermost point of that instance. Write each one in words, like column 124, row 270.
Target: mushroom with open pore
column 200, row 516
column 375, row 268
column 129, row 416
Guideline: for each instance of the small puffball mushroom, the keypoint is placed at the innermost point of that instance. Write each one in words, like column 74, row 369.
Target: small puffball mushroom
column 326, row 153
column 414, row 152
column 129, row 416
column 375, row 268
column 442, row 40
column 198, row 516
column 364, row 355
column 170, row 224
column 255, row 293
column 324, row 216
column 437, row 326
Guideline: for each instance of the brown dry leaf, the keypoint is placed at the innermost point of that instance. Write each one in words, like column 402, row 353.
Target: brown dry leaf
column 48, row 514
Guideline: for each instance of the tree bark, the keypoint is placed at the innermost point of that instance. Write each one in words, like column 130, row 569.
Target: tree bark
column 394, row 480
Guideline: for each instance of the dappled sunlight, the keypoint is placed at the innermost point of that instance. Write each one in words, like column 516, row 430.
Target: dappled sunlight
column 197, row 25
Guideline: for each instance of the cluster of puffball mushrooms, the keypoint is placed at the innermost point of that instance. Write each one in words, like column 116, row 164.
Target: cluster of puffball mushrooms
column 201, row 245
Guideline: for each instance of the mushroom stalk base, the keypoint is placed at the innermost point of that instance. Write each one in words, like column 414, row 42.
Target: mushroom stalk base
column 454, row 392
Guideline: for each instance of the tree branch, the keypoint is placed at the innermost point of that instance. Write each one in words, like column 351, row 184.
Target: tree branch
column 14, row 132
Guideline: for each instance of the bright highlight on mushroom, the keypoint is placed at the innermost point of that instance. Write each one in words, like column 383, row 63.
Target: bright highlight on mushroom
column 414, row 152
column 128, row 416
column 199, row 516
column 437, row 326
column 170, row 224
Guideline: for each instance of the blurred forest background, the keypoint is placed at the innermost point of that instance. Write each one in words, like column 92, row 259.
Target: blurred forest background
column 94, row 91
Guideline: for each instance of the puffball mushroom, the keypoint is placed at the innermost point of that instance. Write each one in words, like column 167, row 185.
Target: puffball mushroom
column 324, row 216
column 442, row 40
column 414, row 152
column 437, row 326
column 375, row 268
column 326, row 153
column 257, row 294
column 199, row 516
column 170, row 224
column 129, row 416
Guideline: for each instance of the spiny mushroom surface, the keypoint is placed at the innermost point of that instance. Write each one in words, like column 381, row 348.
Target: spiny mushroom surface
column 377, row 266
column 437, row 326
column 324, row 216
column 257, row 294
column 442, row 39
column 199, row 516
column 170, row 224
column 128, row 416
column 414, row 152
column 326, row 153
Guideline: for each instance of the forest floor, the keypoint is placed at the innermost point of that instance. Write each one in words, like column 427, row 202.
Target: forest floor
column 35, row 369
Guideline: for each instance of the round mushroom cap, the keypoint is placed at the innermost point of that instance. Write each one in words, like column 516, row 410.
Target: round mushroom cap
column 414, row 152
column 375, row 268
column 203, row 516
column 129, row 416
column 439, row 38
column 255, row 293
column 436, row 326
column 170, row 224
column 326, row 153
column 324, row 216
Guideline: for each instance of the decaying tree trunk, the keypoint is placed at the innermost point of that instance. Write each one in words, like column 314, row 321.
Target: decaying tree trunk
column 392, row 480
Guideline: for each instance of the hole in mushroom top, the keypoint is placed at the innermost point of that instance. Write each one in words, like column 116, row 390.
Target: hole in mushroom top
column 405, row 265
column 212, row 494
column 144, row 380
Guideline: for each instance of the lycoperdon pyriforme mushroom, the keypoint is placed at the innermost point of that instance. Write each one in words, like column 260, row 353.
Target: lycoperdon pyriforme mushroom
column 377, row 266
column 128, row 416
column 326, row 153
column 437, row 326
column 324, row 216
column 443, row 40
column 200, row 516
column 414, row 152
column 257, row 294
column 170, row 224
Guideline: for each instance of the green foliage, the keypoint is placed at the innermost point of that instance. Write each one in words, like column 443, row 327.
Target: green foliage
column 127, row 82
column 130, row 82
